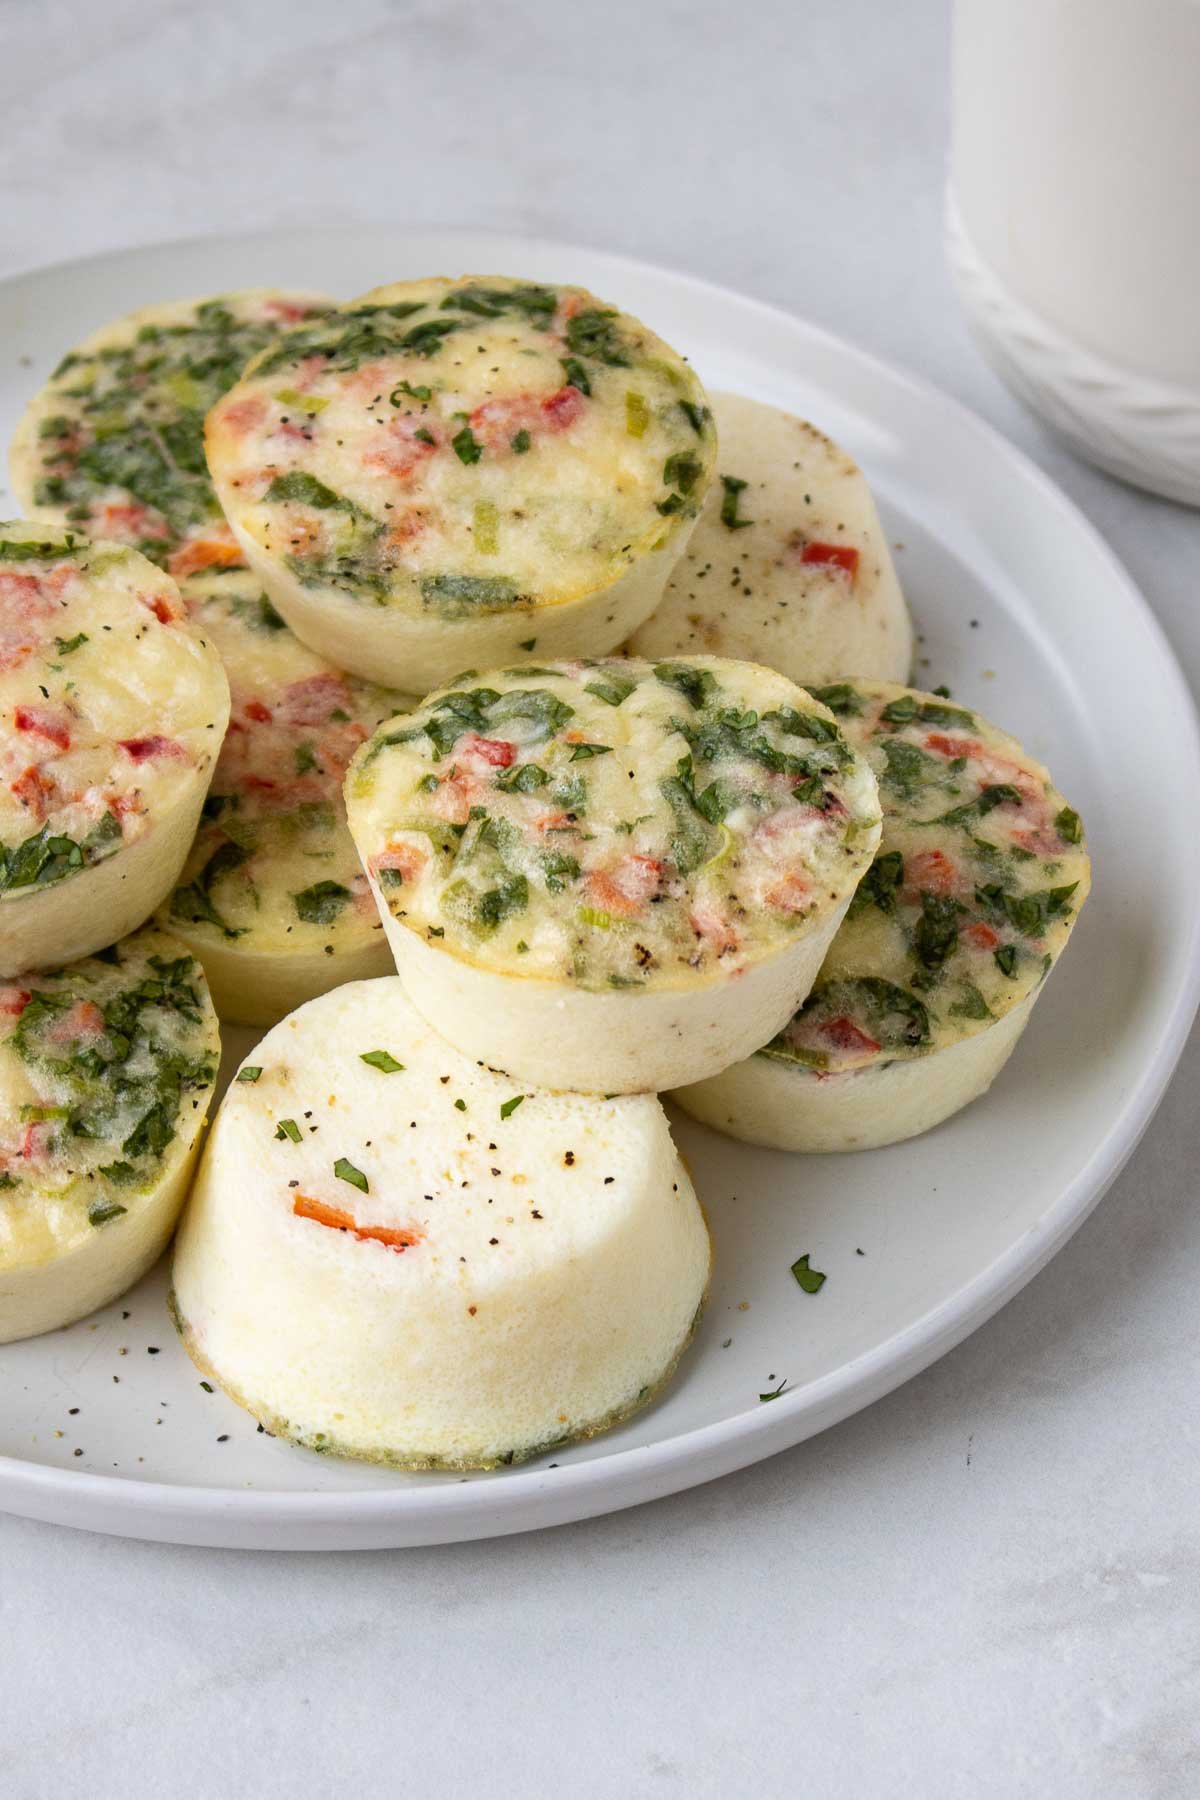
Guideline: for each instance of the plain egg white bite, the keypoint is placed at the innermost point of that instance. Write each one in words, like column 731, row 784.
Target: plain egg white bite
column 788, row 564
column 272, row 898
column 106, row 1072
column 612, row 876
column 112, row 713
column 980, row 876
column 394, row 1253
column 446, row 474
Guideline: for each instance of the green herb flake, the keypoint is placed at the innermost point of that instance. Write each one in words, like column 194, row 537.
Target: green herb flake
column 811, row 1280
column 100, row 1212
column 346, row 1171
column 465, row 447
column 775, row 1392
column 460, row 1105
column 383, row 1060
column 521, row 442
column 288, row 1128
column 66, row 645
column 581, row 752
column 249, row 1073
column 734, row 487
column 322, row 903
column 576, row 374
column 510, row 1106
column 1067, row 823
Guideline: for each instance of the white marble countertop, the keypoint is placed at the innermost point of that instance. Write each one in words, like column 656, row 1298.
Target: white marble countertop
column 987, row 1583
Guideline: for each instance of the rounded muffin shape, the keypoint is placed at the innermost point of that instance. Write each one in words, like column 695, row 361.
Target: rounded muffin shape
column 392, row 1252
column 447, row 473
column 598, row 875
column 272, row 898
column 113, row 444
column 112, row 712
column 106, row 1072
column 980, row 874
column 788, row 564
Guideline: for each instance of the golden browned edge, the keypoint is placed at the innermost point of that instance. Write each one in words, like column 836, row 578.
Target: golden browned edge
column 274, row 1426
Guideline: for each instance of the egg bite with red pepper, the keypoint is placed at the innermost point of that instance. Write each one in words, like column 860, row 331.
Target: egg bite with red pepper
column 979, row 878
column 393, row 1252
column 113, row 444
column 272, row 898
column 788, row 564
column 446, row 474
column 107, row 1067
column 112, row 712
column 600, row 875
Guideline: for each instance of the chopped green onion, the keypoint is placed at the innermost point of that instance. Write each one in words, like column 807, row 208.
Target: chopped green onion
column 486, row 528
column 637, row 415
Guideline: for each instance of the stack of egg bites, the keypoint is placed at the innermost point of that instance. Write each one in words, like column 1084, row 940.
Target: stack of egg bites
column 664, row 820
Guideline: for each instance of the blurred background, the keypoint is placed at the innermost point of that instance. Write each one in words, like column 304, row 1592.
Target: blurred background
column 794, row 150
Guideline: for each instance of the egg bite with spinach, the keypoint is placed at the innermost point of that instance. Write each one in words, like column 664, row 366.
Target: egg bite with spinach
column 393, row 1252
column 599, row 875
column 113, row 444
column 272, row 898
column 788, row 564
column 452, row 473
column 112, row 712
column 106, row 1071
column 979, row 878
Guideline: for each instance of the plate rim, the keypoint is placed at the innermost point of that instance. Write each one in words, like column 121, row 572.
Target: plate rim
column 524, row 1499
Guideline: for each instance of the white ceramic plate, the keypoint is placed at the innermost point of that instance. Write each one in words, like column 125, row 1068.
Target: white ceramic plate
column 1027, row 615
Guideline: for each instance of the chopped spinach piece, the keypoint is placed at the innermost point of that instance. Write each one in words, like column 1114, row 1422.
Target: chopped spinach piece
column 322, row 903
column 879, row 885
column 612, row 688
column 698, row 686
column 936, row 935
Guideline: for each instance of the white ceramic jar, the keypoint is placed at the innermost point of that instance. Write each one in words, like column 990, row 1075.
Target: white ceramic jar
column 1073, row 220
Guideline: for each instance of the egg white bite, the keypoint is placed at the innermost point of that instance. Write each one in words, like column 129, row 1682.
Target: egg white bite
column 393, row 1252
column 451, row 473
column 113, row 444
column 980, row 875
column 272, row 898
column 788, row 564
column 112, row 712
column 612, row 876
column 106, row 1071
